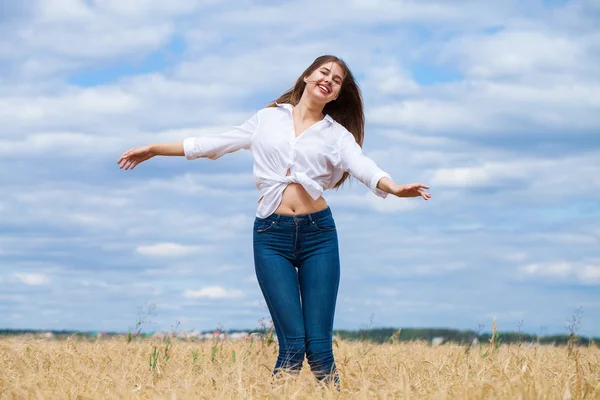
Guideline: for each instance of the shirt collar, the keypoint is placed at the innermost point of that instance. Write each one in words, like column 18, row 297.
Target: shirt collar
column 289, row 107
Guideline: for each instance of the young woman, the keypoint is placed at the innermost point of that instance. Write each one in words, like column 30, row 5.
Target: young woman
column 308, row 141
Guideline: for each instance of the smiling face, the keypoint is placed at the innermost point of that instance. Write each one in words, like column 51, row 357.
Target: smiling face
column 325, row 82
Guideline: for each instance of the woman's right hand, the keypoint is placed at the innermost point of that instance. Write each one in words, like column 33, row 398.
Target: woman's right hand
column 131, row 158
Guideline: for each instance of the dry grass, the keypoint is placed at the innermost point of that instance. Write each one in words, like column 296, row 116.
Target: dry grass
column 112, row 368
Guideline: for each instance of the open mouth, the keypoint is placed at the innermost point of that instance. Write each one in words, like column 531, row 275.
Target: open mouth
column 324, row 89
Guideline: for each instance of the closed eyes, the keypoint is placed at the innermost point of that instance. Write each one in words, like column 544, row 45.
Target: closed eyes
column 335, row 80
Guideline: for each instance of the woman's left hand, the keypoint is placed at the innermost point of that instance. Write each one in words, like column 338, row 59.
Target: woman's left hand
column 412, row 190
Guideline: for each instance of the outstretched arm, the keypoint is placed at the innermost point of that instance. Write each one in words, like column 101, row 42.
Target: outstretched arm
column 365, row 170
column 209, row 146
column 131, row 158
column 410, row 190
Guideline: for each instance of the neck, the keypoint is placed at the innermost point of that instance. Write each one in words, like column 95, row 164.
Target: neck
column 309, row 110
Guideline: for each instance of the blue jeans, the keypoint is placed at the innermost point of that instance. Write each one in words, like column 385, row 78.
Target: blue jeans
column 297, row 264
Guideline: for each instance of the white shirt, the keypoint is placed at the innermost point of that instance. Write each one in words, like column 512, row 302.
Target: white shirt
column 316, row 159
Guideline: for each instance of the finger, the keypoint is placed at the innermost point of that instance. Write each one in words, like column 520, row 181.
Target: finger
column 125, row 155
column 128, row 153
column 420, row 186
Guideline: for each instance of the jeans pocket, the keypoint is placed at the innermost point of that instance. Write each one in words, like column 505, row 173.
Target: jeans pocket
column 263, row 226
column 324, row 225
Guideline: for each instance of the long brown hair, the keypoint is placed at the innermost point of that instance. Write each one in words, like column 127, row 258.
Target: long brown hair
column 347, row 109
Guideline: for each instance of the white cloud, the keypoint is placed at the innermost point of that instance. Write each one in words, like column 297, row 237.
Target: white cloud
column 464, row 176
column 390, row 80
column 33, row 278
column 365, row 13
column 569, row 238
column 514, row 52
column 550, row 176
column 104, row 29
column 515, row 257
column 590, row 274
column 481, row 107
column 587, row 273
column 213, row 292
column 556, row 269
column 171, row 250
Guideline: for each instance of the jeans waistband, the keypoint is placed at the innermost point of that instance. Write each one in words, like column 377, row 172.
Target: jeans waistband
column 299, row 219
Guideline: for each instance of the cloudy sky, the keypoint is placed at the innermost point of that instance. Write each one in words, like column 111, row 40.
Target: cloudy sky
column 495, row 105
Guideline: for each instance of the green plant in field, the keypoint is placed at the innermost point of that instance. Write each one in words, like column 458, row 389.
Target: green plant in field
column 519, row 336
column 395, row 338
column 149, row 309
column 248, row 352
column 363, row 328
column 495, row 342
column 157, row 358
column 472, row 338
column 213, row 352
column 196, row 360
column 167, row 354
column 168, row 341
column 572, row 326
column 268, row 332
column 154, row 367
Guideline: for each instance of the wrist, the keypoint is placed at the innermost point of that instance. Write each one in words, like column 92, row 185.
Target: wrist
column 387, row 185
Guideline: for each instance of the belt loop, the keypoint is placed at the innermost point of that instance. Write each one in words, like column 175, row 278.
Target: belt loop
column 277, row 216
column 310, row 218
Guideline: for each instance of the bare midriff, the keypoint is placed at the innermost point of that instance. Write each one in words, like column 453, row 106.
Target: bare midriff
column 295, row 200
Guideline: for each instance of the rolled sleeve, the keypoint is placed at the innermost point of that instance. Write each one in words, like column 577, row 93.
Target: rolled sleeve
column 216, row 146
column 191, row 148
column 376, row 178
column 353, row 161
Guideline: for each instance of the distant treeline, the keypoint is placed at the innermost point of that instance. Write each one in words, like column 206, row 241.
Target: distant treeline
column 376, row 335
column 387, row 335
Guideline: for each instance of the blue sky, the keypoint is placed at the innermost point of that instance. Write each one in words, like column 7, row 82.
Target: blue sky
column 495, row 105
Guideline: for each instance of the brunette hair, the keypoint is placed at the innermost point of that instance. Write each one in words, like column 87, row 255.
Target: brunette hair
column 347, row 109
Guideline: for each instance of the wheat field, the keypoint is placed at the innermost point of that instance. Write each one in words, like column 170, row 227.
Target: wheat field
column 33, row 368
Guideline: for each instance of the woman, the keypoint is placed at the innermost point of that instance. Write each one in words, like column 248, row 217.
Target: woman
column 307, row 141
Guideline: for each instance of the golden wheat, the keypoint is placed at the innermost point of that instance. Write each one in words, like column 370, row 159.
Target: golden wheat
column 111, row 368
